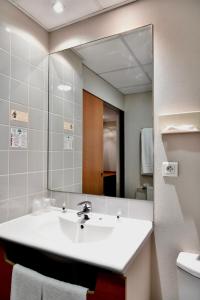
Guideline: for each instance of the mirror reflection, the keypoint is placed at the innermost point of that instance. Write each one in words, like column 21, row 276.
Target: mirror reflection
column 101, row 117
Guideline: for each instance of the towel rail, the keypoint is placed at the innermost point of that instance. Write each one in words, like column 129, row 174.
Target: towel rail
column 11, row 263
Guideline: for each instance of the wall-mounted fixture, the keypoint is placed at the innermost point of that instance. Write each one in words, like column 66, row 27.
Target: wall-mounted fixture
column 186, row 122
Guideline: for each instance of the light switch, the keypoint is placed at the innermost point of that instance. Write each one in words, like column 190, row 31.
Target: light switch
column 170, row 169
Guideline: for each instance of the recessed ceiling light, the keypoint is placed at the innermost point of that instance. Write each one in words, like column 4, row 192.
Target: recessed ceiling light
column 58, row 7
column 64, row 87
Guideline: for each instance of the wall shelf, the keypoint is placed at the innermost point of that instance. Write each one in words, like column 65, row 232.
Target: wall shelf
column 180, row 123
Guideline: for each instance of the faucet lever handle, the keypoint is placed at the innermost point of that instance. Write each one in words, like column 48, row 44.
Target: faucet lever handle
column 87, row 203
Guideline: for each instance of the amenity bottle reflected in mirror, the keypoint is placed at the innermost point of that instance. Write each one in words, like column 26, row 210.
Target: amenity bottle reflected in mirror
column 101, row 117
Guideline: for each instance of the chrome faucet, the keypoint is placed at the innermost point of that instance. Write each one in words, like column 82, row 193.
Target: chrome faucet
column 86, row 209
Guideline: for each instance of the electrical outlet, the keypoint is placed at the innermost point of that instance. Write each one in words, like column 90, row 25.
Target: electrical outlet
column 170, row 169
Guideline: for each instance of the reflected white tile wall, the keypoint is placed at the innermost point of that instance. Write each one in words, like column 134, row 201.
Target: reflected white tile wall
column 23, row 75
column 65, row 167
column 65, row 106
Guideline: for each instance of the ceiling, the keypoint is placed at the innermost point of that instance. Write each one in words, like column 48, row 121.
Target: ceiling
column 125, row 60
column 75, row 10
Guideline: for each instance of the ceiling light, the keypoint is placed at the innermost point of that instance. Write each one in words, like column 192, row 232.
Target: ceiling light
column 64, row 87
column 58, row 7
column 8, row 29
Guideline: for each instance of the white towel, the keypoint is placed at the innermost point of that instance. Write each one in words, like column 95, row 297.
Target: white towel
column 26, row 284
column 58, row 290
column 147, row 151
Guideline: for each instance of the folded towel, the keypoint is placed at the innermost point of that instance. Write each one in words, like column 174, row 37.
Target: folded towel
column 189, row 127
column 58, row 290
column 147, row 151
column 26, row 284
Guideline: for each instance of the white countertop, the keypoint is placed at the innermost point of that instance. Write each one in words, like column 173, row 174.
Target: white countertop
column 116, row 252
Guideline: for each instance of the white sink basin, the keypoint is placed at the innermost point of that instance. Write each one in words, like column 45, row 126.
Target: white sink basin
column 92, row 230
column 104, row 240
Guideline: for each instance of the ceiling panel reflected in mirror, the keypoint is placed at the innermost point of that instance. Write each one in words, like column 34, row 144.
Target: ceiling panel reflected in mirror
column 101, row 117
column 125, row 61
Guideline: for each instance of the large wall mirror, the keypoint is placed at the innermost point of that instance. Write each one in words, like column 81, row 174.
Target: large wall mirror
column 101, row 117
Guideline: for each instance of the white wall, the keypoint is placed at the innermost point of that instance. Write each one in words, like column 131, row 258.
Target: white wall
column 176, row 88
column 138, row 115
column 102, row 89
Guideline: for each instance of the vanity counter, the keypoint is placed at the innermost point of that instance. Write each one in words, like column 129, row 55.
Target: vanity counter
column 104, row 241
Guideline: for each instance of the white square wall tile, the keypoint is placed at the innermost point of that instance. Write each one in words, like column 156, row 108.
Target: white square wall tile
column 37, row 77
column 4, row 39
column 19, row 46
column 36, row 98
column 56, row 160
column 5, row 63
column 37, row 56
column 3, row 162
column 58, row 104
column 19, row 92
column 4, row 137
column 20, row 69
column 3, row 187
column 4, row 112
column 3, row 211
column 78, row 175
column 35, row 182
column 35, row 140
column 17, row 185
column 68, row 177
column 4, row 87
column 36, row 119
column 17, row 162
column 35, row 161
column 17, row 207
column 57, row 179
column 68, row 159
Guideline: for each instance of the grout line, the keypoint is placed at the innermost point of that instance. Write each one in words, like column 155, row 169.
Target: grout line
column 28, row 136
column 9, row 124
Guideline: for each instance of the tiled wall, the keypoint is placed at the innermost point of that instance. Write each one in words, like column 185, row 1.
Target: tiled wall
column 65, row 163
column 23, row 87
column 131, row 208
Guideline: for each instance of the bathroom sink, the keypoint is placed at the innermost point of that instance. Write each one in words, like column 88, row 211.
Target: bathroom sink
column 71, row 227
column 102, row 240
column 93, row 230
